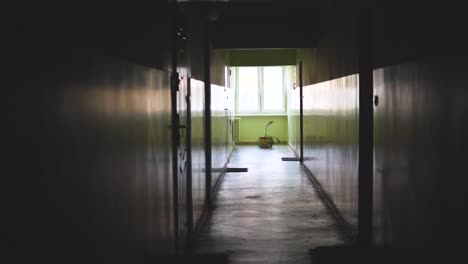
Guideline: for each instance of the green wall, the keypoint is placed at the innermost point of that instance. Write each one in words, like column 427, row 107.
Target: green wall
column 252, row 127
column 263, row 57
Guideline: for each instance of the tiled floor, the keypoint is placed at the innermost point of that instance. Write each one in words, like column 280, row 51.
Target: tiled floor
column 270, row 214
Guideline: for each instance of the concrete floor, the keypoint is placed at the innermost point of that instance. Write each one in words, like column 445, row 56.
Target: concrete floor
column 270, row 214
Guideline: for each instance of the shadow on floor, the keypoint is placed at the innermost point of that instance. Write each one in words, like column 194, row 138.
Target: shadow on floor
column 212, row 258
column 382, row 255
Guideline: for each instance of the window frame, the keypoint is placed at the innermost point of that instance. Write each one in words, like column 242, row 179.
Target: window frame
column 261, row 92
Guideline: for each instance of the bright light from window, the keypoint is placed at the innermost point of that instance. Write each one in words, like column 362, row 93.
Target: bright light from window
column 273, row 97
column 248, row 89
column 259, row 90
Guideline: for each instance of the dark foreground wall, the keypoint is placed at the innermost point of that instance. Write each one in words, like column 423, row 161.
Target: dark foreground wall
column 420, row 122
column 89, row 164
column 420, row 136
column 420, row 129
column 89, row 157
column 88, row 145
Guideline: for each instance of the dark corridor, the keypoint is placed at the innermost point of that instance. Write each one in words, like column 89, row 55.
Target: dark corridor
column 119, row 124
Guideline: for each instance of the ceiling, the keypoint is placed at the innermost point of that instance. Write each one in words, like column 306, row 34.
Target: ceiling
column 241, row 24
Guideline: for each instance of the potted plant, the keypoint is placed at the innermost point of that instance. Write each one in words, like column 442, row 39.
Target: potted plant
column 267, row 141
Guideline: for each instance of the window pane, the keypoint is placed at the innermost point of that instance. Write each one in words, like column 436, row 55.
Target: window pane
column 273, row 89
column 248, row 89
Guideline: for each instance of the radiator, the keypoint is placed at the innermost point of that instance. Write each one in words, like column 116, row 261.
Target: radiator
column 236, row 129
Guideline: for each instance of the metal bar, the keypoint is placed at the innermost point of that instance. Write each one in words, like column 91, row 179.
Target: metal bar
column 237, row 170
column 366, row 126
column 189, row 161
column 207, row 117
column 301, row 115
column 175, row 143
column 289, row 159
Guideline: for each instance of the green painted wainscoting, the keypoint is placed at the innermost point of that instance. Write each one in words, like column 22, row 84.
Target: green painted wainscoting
column 252, row 127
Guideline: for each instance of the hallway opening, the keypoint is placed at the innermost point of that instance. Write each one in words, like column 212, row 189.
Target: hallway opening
column 272, row 213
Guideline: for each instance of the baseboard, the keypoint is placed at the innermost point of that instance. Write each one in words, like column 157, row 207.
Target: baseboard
column 346, row 228
column 294, row 151
column 216, row 186
column 232, row 150
column 197, row 228
column 206, row 211
column 240, row 143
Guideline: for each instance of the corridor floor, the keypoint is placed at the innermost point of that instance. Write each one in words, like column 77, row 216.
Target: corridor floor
column 270, row 214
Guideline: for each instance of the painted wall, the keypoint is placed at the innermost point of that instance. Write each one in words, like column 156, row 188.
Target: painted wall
column 196, row 55
column 221, row 131
column 252, row 127
column 222, row 98
column 330, row 92
column 411, row 162
column 331, row 140
column 221, row 102
column 262, row 57
column 420, row 128
column 198, row 150
column 293, row 111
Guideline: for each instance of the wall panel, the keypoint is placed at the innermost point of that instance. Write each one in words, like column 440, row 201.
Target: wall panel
column 420, row 135
column 198, row 149
column 331, row 108
column 221, row 127
column 331, row 140
column 293, row 110
column 420, row 126
column 222, row 98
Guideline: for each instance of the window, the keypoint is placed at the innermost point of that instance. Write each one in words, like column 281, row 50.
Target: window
column 273, row 95
column 259, row 90
column 248, row 89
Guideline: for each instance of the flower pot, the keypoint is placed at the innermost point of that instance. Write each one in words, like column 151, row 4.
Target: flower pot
column 265, row 142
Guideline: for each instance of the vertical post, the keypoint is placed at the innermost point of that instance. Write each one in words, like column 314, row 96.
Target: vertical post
column 207, row 116
column 175, row 131
column 366, row 133
column 301, row 115
column 189, row 160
